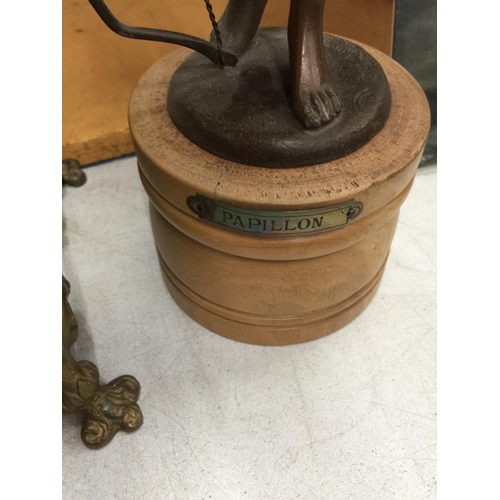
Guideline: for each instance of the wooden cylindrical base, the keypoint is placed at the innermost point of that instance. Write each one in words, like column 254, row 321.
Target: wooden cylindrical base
column 279, row 288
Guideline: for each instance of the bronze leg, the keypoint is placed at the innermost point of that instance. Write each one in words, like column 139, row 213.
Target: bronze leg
column 109, row 407
column 240, row 22
column 314, row 99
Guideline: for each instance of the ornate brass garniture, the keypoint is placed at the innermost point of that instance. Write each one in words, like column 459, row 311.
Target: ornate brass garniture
column 110, row 407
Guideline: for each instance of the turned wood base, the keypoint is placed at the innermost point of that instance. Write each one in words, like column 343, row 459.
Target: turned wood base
column 265, row 330
column 283, row 286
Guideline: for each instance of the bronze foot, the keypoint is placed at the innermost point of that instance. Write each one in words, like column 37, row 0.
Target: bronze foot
column 109, row 408
column 316, row 105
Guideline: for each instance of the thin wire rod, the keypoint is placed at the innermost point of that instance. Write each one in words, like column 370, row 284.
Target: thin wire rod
column 215, row 26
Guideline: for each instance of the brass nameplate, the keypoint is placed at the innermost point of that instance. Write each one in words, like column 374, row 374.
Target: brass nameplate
column 274, row 222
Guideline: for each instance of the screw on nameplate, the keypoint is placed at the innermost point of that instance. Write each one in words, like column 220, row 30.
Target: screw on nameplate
column 280, row 223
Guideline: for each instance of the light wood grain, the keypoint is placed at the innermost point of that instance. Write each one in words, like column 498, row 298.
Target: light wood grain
column 275, row 290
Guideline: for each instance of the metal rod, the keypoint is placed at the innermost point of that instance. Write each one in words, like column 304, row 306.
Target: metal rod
column 209, row 50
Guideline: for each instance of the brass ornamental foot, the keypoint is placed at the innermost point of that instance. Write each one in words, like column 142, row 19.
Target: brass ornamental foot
column 72, row 173
column 111, row 407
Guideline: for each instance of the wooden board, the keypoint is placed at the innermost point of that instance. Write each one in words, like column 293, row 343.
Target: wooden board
column 100, row 69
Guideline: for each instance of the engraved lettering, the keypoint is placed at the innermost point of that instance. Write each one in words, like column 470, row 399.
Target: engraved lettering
column 238, row 221
column 274, row 228
column 307, row 223
column 275, row 222
column 253, row 222
column 317, row 222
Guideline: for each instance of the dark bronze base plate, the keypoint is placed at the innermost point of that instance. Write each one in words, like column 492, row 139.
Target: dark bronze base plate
column 243, row 113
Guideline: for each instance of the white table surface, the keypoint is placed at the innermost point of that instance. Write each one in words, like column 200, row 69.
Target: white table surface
column 351, row 416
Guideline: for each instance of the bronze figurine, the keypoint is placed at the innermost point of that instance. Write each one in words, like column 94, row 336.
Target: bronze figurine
column 314, row 98
column 278, row 98
column 110, row 407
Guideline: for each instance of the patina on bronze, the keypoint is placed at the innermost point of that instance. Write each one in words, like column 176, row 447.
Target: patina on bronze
column 244, row 113
column 109, row 407
column 72, row 173
column 279, row 223
column 276, row 98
